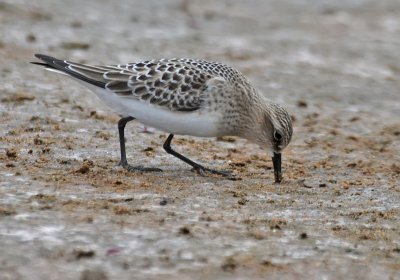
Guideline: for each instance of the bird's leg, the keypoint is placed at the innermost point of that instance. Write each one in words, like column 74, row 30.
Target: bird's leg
column 121, row 127
column 124, row 163
column 197, row 167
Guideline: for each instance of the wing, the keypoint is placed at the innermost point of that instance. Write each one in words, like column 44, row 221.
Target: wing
column 171, row 84
column 87, row 73
column 163, row 83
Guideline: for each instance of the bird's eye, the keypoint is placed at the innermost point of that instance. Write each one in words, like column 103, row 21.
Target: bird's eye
column 277, row 136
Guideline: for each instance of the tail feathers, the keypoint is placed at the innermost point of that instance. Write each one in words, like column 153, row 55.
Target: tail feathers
column 61, row 66
column 41, row 64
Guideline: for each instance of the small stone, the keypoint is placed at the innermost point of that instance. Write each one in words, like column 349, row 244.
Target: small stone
column 11, row 153
column 303, row 184
column 302, row 104
column 30, row 38
column 229, row 265
column 18, row 97
column 228, row 139
column 76, row 24
column 93, row 274
column 303, row 235
column 163, row 202
column 242, row 201
column 38, row 141
column 7, row 211
column 83, row 169
column 80, row 253
column 75, row 45
column 184, row 231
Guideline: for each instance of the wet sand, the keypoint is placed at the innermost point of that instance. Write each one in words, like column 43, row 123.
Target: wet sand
column 67, row 211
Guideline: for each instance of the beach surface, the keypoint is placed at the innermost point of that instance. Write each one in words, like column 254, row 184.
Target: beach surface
column 67, row 211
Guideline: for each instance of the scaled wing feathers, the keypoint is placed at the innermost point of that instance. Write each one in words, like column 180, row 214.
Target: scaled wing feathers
column 176, row 84
column 170, row 85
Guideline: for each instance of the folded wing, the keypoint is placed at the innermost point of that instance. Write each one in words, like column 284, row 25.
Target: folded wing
column 172, row 84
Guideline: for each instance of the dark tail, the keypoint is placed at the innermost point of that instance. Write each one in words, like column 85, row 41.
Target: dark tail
column 63, row 66
column 51, row 62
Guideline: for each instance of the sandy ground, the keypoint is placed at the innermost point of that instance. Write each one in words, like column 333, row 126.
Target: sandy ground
column 68, row 212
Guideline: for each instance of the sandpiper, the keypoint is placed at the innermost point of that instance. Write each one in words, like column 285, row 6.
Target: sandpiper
column 186, row 97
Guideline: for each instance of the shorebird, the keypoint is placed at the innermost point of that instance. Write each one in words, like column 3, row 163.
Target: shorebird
column 185, row 97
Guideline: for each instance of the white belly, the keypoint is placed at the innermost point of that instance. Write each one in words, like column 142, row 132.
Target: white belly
column 197, row 123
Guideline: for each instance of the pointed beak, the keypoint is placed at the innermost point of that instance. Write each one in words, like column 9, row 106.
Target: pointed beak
column 277, row 161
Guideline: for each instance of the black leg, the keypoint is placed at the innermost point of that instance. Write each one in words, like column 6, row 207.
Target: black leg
column 197, row 167
column 124, row 163
column 121, row 126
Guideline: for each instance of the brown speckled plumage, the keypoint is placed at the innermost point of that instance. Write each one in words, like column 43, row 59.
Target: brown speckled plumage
column 186, row 96
column 178, row 84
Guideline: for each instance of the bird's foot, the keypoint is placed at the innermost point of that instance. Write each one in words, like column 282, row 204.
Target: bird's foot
column 138, row 168
column 203, row 171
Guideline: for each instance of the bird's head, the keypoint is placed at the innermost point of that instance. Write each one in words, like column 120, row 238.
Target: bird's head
column 273, row 131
